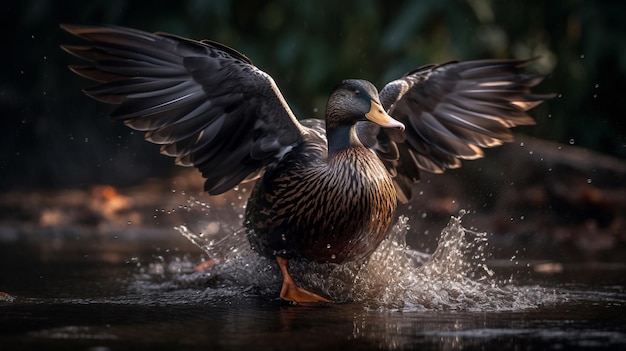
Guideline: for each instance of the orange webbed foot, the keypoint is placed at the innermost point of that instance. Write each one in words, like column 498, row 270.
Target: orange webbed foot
column 206, row 264
column 291, row 292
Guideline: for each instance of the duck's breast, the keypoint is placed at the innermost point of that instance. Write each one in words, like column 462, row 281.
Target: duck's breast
column 324, row 209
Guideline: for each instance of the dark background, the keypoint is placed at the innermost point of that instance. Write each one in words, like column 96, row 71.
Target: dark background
column 54, row 137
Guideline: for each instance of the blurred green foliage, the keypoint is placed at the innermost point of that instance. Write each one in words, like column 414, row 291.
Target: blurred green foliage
column 56, row 137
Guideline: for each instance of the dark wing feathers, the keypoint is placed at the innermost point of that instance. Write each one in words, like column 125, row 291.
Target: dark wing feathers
column 453, row 110
column 209, row 107
column 205, row 103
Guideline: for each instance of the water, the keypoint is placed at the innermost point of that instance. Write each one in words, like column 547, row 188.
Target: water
column 454, row 277
column 73, row 289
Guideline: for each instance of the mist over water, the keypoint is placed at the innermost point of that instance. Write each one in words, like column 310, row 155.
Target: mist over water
column 455, row 276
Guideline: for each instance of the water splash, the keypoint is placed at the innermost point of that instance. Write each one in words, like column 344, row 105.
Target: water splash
column 454, row 277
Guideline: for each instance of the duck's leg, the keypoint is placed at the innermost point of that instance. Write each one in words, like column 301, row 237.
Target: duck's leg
column 206, row 264
column 290, row 291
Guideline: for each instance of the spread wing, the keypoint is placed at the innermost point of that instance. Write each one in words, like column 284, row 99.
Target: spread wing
column 206, row 104
column 450, row 112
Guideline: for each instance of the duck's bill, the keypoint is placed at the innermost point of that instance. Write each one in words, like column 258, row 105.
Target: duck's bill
column 378, row 115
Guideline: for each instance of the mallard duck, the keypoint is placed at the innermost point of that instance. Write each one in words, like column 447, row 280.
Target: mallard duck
column 326, row 190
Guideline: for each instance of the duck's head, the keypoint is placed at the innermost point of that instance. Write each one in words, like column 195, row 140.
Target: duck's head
column 355, row 100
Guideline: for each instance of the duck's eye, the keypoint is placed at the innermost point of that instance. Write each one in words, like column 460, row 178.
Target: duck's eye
column 357, row 92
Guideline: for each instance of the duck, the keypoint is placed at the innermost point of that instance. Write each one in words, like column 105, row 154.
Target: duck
column 325, row 190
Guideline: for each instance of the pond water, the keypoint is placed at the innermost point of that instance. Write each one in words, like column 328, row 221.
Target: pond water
column 138, row 289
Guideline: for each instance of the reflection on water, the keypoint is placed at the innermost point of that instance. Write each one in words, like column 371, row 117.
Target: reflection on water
column 194, row 317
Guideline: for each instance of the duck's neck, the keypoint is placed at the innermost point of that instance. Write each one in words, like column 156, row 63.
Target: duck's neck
column 340, row 138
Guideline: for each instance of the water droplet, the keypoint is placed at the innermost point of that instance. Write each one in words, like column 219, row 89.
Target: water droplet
column 582, row 56
column 328, row 246
column 572, row 141
column 333, row 256
column 589, row 181
column 130, row 222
